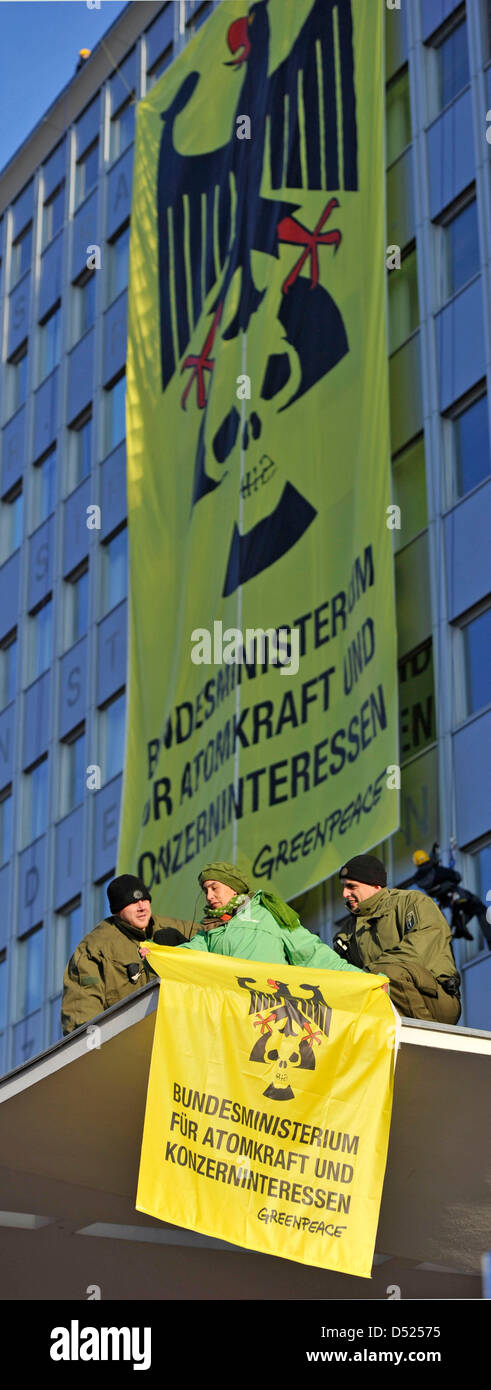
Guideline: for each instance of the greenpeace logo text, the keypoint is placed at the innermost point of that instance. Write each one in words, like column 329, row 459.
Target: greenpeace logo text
column 75, row 1343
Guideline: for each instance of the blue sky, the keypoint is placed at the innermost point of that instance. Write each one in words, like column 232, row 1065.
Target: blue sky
column 39, row 44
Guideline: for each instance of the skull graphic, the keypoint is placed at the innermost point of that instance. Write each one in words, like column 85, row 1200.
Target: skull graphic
column 290, row 1032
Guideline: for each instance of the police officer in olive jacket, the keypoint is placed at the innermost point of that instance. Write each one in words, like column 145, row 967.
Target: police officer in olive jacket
column 402, row 933
column 106, row 966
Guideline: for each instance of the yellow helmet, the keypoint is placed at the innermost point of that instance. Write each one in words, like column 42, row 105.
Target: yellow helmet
column 420, row 857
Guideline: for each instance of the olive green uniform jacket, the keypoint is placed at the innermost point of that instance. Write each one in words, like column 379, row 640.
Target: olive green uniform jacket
column 97, row 976
column 403, row 933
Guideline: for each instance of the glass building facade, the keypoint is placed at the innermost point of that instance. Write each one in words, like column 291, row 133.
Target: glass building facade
column 65, row 206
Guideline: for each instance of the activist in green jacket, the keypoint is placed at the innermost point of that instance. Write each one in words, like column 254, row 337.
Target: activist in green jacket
column 261, row 927
column 106, row 965
column 403, row 934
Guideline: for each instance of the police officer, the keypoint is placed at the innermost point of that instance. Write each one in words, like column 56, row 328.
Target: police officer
column 403, row 934
column 106, row 966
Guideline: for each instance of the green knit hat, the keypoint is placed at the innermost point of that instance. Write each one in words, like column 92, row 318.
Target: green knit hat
column 224, row 873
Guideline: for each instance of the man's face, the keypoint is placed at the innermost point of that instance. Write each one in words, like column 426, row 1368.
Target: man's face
column 217, row 894
column 355, row 893
column 137, row 914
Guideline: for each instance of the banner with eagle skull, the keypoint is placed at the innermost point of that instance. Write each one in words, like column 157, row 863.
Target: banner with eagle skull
column 269, row 1105
column 258, row 455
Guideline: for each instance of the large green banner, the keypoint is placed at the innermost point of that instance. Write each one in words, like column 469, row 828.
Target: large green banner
column 262, row 663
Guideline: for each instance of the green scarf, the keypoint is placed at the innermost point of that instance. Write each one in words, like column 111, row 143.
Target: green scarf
column 228, row 910
column 282, row 913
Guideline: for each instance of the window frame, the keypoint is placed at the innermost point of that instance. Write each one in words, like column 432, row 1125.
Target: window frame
column 116, row 151
column 66, row 774
column 48, row 203
column 46, row 602
column 71, row 580
column 409, row 251
column 26, row 790
column 449, row 421
column 444, row 295
column 36, row 519
column 80, row 194
column 394, row 81
column 108, row 607
column 75, row 428
column 7, row 794
column 109, row 444
column 435, row 104
column 54, row 314
column 77, row 290
column 16, row 272
column 103, row 711
column 111, row 293
column 16, row 494
column 18, row 1016
column 55, row 988
column 12, row 404
column 10, row 640
column 463, row 714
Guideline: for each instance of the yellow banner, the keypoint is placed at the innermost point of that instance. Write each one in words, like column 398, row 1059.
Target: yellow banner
column 268, row 1107
column 258, row 455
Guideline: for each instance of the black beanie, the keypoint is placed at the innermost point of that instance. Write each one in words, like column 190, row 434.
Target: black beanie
column 365, row 868
column 126, row 890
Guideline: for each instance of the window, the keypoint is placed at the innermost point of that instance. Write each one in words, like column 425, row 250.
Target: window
column 86, row 171
column 158, row 43
column 452, row 64
column 83, row 306
column 30, row 973
column 40, row 640
column 21, row 255
column 201, row 12
column 115, row 570
column 403, row 302
column 76, row 606
column 43, row 489
column 3, row 989
column 11, row 524
column 49, row 344
column 159, row 67
column 113, row 737
column 53, row 214
column 16, row 381
column 79, row 450
column 477, row 648
column 72, row 779
column 416, row 701
column 35, row 802
column 8, row 670
column 461, row 248
column 480, row 883
column 484, row 873
column 409, row 493
column 5, row 825
column 122, row 129
column 398, row 117
column 114, row 414
column 101, row 905
column 486, row 29
column 118, row 260
column 471, row 445
column 68, row 931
